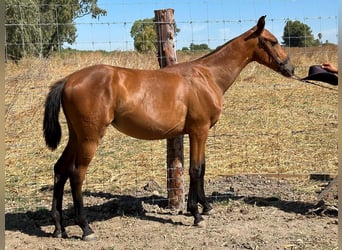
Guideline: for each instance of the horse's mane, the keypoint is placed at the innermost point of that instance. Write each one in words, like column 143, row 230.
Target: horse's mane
column 223, row 45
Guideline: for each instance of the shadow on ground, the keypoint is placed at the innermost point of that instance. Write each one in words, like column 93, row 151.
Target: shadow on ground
column 31, row 222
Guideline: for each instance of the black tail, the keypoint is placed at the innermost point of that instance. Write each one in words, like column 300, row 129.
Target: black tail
column 51, row 127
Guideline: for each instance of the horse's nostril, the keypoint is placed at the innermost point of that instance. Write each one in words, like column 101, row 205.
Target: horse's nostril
column 289, row 70
column 292, row 70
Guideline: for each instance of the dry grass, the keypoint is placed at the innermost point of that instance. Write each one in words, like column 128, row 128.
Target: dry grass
column 270, row 124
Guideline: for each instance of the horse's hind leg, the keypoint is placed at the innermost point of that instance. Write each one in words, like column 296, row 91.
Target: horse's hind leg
column 85, row 152
column 57, row 205
column 65, row 162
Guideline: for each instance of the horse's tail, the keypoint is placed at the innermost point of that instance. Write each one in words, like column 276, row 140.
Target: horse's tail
column 51, row 127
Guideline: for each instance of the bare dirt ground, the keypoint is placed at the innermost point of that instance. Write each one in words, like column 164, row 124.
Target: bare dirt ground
column 251, row 212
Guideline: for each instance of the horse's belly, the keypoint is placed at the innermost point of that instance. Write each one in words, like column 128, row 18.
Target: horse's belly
column 144, row 128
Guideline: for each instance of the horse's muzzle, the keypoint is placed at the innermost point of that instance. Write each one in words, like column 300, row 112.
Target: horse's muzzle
column 287, row 69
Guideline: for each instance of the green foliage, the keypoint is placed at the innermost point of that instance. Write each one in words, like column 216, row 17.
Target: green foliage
column 201, row 46
column 196, row 47
column 298, row 34
column 38, row 27
column 144, row 35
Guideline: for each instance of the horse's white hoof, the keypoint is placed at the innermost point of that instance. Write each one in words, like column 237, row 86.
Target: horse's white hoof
column 201, row 224
column 210, row 212
column 58, row 234
column 90, row 237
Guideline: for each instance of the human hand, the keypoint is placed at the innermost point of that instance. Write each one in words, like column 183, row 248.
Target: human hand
column 330, row 67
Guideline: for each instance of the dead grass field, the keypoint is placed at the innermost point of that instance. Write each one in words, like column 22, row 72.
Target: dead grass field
column 270, row 124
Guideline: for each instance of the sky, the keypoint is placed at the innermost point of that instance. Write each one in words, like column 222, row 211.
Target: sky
column 212, row 22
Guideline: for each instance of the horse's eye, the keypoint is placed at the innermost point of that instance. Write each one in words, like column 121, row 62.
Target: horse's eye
column 274, row 43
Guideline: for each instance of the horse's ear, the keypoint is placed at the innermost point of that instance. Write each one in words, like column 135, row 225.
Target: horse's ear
column 257, row 29
column 261, row 24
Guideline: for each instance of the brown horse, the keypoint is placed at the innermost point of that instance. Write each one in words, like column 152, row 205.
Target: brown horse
column 185, row 98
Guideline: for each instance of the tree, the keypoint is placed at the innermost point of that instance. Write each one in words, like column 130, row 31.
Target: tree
column 298, row 34
column 201, row 46
column 37, row 27
column 144, row 35
column 320, row 38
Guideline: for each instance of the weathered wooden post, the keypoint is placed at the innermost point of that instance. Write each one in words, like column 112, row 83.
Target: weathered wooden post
column 164, row 21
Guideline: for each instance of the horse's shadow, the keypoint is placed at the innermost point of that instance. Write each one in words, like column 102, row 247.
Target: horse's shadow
column 31, row 223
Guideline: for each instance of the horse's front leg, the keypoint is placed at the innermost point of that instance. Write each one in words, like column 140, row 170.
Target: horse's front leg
column 194, row 192
column 207, row 208
column 197, row 171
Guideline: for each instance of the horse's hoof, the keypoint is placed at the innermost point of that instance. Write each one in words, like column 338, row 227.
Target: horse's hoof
column 59, row 234
column 201, row 224
column 210, row 211
column 90, row 237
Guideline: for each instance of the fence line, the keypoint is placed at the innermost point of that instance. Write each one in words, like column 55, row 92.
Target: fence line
column 118, row 31
column 125, row 165
column 296, row 133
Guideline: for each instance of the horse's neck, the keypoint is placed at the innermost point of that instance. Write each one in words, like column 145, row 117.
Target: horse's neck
column 227, row 62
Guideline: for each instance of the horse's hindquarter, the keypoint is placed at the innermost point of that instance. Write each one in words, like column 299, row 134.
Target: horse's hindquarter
column 87, row 100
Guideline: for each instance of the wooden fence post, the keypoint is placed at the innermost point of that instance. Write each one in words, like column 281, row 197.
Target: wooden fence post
column 164, row 21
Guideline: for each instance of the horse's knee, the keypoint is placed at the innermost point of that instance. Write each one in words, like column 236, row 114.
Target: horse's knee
column 196, row 173
column 60, row 179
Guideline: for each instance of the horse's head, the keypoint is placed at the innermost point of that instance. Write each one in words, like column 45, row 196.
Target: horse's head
column 268, row 51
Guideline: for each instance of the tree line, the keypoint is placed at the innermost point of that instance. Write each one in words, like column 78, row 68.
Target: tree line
column 39, row 27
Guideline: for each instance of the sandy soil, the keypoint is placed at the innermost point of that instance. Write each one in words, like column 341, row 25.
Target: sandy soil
column 251, row 212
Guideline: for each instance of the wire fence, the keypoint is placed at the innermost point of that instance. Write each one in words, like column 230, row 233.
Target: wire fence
column 111, row 34
column 269, row 124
